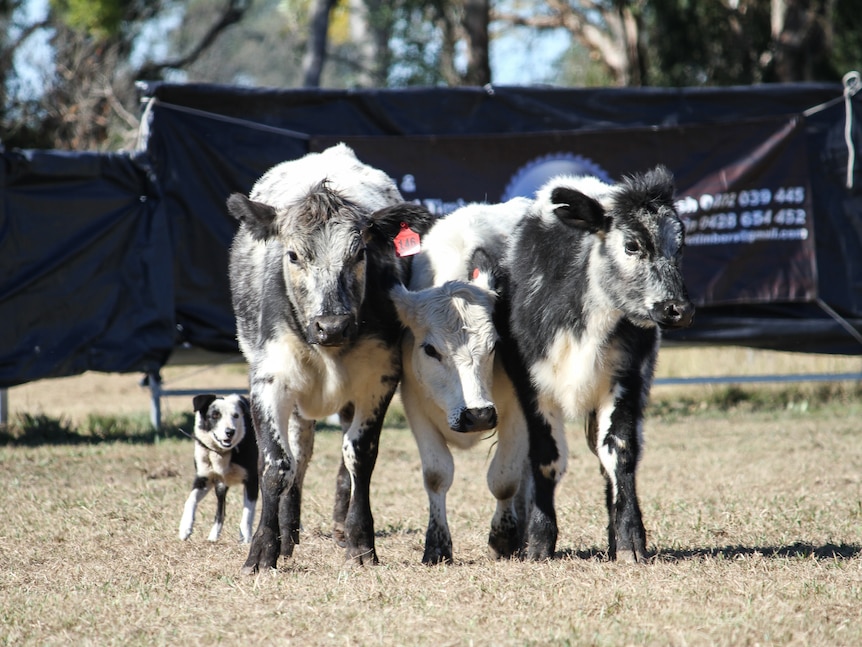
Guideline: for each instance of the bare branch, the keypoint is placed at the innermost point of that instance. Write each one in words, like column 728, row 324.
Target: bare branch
column 538, row 22
column 612, row 46
column 26, row 32
column 231, row 14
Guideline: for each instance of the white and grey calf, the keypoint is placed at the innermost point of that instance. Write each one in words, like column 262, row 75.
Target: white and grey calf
column 593, row 274
column 311, row 268
column 225, row 455
column 454, row 392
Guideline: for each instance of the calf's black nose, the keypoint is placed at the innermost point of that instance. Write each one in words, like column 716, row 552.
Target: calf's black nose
column 330, row 330
column 673, row 313
column 477, row 419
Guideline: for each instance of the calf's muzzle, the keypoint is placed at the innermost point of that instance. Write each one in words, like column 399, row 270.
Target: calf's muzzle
column 477, row 419
column 331, row 330
column 673, row 313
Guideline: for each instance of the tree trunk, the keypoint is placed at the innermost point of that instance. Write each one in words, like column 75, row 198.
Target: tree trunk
column 370, row 30
column 315, row 52
column 475, row 23
column 798, row 39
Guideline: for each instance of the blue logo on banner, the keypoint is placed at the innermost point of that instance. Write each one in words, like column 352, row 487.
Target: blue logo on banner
column 532, row 175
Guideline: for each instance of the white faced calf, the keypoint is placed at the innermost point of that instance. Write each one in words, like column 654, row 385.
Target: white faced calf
column 449, row 396
column 454, row 391
column 593, row 273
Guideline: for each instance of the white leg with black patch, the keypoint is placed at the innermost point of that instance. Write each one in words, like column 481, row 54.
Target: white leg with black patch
column 438, row 472
column 607, row 451
column 618, row 442
column 247, row 521
column 215, row 531
column 505, row 479
column 221, row 499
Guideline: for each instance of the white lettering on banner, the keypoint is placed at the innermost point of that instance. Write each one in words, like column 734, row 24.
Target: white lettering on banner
column 440, row 207
column 745, row 216
column 775, row 233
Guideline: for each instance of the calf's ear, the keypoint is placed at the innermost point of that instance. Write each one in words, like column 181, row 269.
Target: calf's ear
column 404, row 302
column 388, row 221
column 483, row 270
column 258, row 217
column 202, row 402
column 578, row 210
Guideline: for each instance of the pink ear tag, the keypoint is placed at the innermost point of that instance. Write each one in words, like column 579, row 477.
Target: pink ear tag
column 475, row 274
column 407, row 241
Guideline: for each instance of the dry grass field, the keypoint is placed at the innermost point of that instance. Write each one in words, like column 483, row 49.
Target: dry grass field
column 752, row 500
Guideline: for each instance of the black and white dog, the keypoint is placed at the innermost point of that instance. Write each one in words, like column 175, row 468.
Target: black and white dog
column 225, row 455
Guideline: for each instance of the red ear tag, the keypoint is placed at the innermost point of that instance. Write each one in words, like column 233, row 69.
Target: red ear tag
column 475, row 274
column 407, row 241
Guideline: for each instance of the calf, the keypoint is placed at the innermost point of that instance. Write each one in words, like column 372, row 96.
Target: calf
column 592, row 273
column 225, row 455
column 454, row 392
column 311, row 268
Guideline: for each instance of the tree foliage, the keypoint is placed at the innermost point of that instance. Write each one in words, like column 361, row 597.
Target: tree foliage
column 701, row 42
column 99, row 18
column 85, row 97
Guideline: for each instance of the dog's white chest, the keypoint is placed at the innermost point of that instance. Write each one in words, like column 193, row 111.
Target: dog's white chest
column 217, row 465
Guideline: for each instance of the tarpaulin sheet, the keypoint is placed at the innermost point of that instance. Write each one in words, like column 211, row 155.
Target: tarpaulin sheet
column 85, row 266
column 200, row 160
column 108, row 262
column 742, row 190
column 760, row 172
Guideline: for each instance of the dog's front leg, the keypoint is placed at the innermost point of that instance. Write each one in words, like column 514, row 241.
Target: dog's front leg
column 221, row 501
column 200, row 486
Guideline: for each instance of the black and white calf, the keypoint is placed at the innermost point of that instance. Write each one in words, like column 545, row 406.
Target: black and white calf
column 454, row 392
column 225, row 455
column 311, row 268
column 593, row 273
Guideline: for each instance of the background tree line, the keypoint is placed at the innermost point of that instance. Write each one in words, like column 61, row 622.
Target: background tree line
column 68, row 67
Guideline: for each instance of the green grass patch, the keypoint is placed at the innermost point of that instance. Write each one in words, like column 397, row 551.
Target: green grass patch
column 40, row 429
column 732, row 398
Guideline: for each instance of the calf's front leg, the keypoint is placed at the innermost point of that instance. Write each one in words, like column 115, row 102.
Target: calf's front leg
column 615, row 437
column 359, row 454
column 277, row 471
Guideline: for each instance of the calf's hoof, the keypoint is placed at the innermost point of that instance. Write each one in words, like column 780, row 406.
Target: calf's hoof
column 539, row 553
column 437, row 555
column 263, row 553
column 339, row 535
column 358, row 556
column 629, row 557
column 503, row 545
column 541, row 546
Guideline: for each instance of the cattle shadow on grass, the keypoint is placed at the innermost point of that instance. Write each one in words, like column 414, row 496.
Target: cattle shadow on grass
column 828, row 551
column 796, row 550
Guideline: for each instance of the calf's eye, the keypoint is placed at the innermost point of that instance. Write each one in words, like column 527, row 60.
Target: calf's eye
column 292, row 256
column 430, row 351
column 632, row 247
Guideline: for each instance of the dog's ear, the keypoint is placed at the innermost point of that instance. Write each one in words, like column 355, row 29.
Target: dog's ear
column 245, row 404
column 203, row 401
